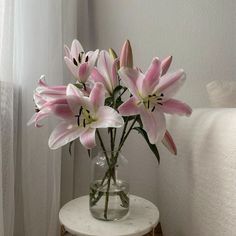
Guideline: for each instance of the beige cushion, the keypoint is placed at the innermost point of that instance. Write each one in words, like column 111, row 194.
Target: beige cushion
column 197, row 189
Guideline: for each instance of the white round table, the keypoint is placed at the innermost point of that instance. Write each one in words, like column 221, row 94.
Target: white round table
column 142, row 218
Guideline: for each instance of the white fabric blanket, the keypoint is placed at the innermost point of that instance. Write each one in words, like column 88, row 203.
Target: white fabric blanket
column 197, row 189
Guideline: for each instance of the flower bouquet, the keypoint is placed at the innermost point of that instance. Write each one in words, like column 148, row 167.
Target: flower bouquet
column 110, row 92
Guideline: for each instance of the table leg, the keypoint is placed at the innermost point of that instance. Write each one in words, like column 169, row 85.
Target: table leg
column 63, row 231
column 156, row 231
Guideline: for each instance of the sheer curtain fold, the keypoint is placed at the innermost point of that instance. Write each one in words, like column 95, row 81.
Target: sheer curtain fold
column 40, row 50
column 31, row 44
column 7, row 119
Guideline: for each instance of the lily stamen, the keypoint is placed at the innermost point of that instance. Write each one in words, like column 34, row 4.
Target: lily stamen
column 75, row 62
column 78, row 120
column 78, row 116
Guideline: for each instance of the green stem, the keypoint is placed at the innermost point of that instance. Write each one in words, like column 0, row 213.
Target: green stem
column 125, row 137
column 124, row 130
column 103, row 148
column 122, row 93
column 115, row 137
column 111, row 140
column 107, row 196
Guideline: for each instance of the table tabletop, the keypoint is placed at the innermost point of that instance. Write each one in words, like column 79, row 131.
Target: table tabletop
column 142, row 218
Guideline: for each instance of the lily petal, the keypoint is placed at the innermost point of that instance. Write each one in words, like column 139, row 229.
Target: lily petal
column 76, row 49
column 168, row 142
column 72, row 67
column 97, row 77
column 92, row 59
column 165, row 64
column 72, row 90
column 64, row 133
column 129, row 77
column 107, row 117
column 32, row 119
column 154, row 124
column 173, row 106
column 129, row 107
column 41, row 81
column 83, row 72
column 152, row 76
column 63, row 111
column 171, row 83
column 38, row 117
column 67, row 51
column 50, row 104
column 87, row 138
column 76, row 99
column 39, row 100
column 97, row 96
column 105, row 64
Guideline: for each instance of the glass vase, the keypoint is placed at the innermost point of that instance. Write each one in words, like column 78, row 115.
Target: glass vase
column 109, row 188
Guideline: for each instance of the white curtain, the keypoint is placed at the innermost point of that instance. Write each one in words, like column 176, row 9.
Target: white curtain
column 31, row 44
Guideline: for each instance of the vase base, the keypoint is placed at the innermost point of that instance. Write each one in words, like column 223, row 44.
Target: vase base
column 112, row 205
column 112, row 214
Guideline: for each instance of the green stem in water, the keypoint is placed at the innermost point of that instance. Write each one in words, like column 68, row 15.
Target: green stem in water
column 114, row 137
column 103, row 148
column 112, row 141
column 107, row 196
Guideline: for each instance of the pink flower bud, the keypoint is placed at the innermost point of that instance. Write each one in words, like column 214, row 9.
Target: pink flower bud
column 126, row 56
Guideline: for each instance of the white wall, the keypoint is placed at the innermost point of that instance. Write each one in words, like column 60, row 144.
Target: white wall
column 200, row 34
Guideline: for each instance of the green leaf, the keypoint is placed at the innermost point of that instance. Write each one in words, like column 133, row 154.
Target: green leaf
column 79, row 86
column 128, row 118
column 109, row 101
column 153, row 147
column 139, row 121
column 118, row 102
column 116, row 91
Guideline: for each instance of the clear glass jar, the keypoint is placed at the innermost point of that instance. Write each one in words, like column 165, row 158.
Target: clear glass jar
column 109, row 188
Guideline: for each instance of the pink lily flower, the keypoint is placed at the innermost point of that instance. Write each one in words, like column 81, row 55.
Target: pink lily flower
column 42, row 96
column 106, row 72
column 88, row 114
column 80, row 63
column 152, row 97
column 58, row 107
column 45, row 93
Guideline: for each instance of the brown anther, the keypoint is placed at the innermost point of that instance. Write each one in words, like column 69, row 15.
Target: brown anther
column 75, row 62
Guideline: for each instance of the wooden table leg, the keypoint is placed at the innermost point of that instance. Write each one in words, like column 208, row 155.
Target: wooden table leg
column 156, row 232
column 63, row 231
